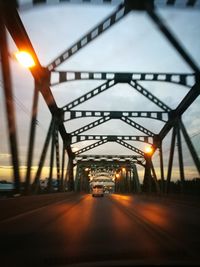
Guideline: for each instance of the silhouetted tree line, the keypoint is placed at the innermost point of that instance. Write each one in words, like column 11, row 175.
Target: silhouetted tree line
column 190, row 187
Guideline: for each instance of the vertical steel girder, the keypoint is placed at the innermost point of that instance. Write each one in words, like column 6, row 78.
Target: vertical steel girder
column 31, row 138
column 171, row 156
column 70, row 174
column 62, row 188
column 150, row 182
column 10, row 110
column 43, row 155
column 118, row 14
column 154, row 176
column 190, row 147
column 147, row 182
column 57, row 160
column 161, row 168
column 180, row 156
column 136, row 178
column 50, row 186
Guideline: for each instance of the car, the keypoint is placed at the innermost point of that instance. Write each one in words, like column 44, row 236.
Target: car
column 97, row 191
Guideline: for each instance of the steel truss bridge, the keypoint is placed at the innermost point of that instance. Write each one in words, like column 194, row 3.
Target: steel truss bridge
column 47, row 76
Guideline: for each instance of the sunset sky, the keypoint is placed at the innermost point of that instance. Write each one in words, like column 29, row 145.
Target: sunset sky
column 132, row 45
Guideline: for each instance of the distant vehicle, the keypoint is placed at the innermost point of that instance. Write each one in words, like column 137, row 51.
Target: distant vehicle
column 97, row 191
column 44, row 184
column 6, row 188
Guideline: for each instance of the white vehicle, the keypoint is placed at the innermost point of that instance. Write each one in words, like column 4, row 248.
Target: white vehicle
column 97, row 190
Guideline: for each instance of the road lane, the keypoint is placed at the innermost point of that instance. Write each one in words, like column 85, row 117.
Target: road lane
column 86, row 229
column 174, row 220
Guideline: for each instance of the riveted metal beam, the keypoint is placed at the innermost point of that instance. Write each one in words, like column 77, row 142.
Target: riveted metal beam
column 108, row 157
column 150, row 96
column 90, row 126
column 157, row 115
column 89, row 95
column 138, row 126
column 161, row 3
column 90, row 147
column 136, row 150
column 112, row 138
column 185, row 79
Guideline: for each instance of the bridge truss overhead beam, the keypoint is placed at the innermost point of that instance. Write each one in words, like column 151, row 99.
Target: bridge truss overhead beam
column 150, row 96
column 157, row 115
column 29, row 4
column 108, row 157
column 89, row 95
column 91, row 147
column 90, row 126
column 136, row 150
column 112, row 138
column 185, row 79
column 138, row 126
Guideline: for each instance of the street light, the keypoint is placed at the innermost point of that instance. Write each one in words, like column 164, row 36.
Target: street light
column 117, row 175
column 148, row 150
column 25, row 59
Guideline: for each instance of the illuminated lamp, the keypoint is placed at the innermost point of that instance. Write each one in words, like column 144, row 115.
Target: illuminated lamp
column 25, row 59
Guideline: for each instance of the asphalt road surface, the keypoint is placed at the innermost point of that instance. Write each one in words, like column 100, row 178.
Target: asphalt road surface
column 114, row 230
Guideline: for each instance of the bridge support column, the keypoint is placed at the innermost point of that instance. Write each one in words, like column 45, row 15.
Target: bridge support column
column 43, row 156
column 58, row 161
column 135, row 183
column 190, row 147
column 147, row 183
column 77, row 179
column 171, row 156
column 50, row 186
column 161, row 168
column 10, row 112
column 31, row 138
column 180, row 155
column 70, row 173
column 62, row 186
column 150, row 183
